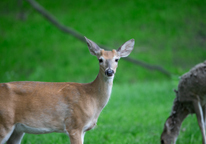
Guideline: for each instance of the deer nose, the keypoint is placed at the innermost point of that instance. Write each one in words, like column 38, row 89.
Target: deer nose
column 109, row 72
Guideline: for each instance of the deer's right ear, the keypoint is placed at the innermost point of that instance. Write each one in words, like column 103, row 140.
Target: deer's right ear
column 93, row 47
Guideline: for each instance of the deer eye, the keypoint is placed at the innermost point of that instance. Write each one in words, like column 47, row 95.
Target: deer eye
column 116, row 60
column 100, row 60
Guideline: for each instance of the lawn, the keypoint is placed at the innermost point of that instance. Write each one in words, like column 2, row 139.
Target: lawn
column 168, row 33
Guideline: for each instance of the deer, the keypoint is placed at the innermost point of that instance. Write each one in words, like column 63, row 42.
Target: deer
column 190, row 99
column 62, row 107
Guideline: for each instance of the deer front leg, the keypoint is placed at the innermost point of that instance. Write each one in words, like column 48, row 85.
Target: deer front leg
column 5, row 132
column 15, row 138
column 76, row 137
column 199, row 114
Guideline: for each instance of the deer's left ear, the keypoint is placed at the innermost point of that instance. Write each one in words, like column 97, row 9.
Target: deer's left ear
column 93, row 47
column 126, row 48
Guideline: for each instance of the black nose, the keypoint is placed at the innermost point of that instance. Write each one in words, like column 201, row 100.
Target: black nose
column 109, row 72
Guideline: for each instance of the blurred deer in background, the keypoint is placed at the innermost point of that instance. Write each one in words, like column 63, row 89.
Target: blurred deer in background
column 45, row 107
column 190, row 98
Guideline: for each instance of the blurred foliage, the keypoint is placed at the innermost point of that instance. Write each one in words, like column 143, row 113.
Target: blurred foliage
column 168, row 33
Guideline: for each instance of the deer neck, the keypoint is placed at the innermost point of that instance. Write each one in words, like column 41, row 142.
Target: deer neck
column 103, row 88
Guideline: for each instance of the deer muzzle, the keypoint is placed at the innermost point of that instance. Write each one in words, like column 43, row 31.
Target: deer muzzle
column 109, row 72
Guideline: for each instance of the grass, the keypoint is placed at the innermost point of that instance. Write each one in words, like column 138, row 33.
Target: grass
column 135, row 114
column 168, row 33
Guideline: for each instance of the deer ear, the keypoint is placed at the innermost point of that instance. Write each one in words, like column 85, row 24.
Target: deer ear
column 169, row 124
column 93, row 47
column 126, row 48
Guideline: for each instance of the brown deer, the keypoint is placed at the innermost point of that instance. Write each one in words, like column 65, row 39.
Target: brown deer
column 71, row 108
column 190, row 98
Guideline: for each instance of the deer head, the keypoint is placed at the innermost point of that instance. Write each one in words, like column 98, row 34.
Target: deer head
column 170, row 132
column 108, row 60
column 173, row 123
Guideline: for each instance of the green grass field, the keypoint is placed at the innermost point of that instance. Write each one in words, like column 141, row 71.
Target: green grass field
column 168, row 33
